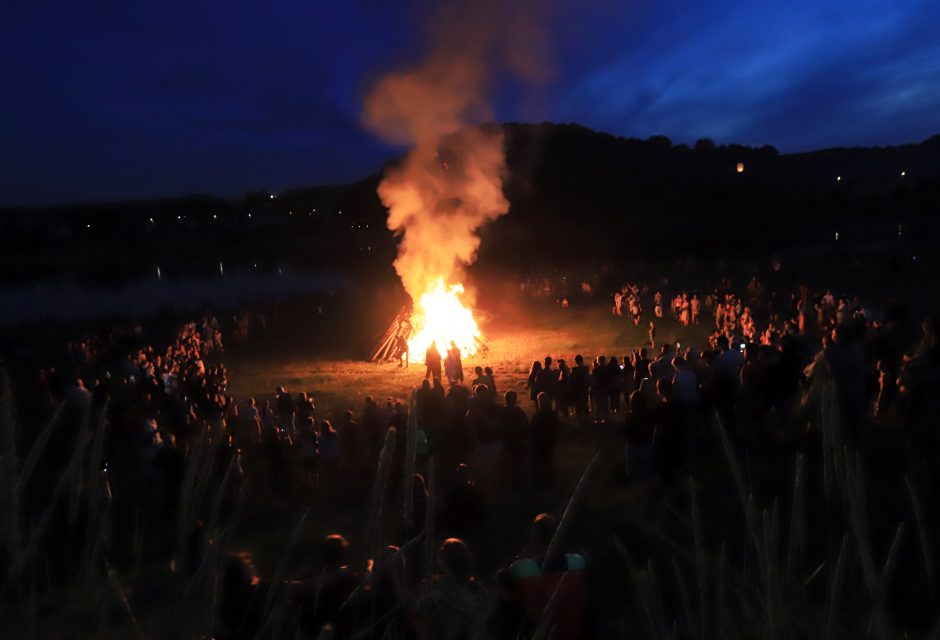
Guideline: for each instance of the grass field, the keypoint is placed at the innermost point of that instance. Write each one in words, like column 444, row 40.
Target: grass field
column 516, row 339
column 749, row 546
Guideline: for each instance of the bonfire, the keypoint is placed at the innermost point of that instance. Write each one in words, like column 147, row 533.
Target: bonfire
column 440, row 317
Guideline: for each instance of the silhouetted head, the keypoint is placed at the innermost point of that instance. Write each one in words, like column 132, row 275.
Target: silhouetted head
column 455, row 560
column 335, row 551
column 544, row 401
column 543, row 530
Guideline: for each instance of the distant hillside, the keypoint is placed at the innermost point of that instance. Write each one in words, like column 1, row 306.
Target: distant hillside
column 573, row 192
column 613, row 194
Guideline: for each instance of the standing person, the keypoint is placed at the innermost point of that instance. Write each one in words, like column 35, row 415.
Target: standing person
column 600, row 400
column 726, row 373
column 513, row 425
column 432, row 359
column 285, row 408
column 534, row 579
column 455, row 604
column 329, row 452
column 453, row 366
column 489, row 380
column 484, row 429
column 614, row 383
column 479, row 379
column 563, row 387
column 532, row 384
column 618, row 304
column 544, row 432
column 641, row 367
column 580, row 387
column 661, row 367
column 309, row 453
column 401, row 348
column 696, row 308
column 373, row 428
column 350, row 442
column 548, row 380
column 658, row 304
column 652, row 334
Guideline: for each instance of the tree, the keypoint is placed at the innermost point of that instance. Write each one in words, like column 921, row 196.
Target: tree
column 704, row 144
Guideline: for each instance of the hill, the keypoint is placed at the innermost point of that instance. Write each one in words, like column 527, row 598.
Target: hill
column 573, row 192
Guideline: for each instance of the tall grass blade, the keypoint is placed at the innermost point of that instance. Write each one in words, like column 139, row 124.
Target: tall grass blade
column 408, row 481
column 118, row 589
column 835, row 590
column 925, row 550
column 429, row 540
column 374, row 523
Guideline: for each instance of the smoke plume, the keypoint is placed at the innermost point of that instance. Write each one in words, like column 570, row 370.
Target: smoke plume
column 450, row 183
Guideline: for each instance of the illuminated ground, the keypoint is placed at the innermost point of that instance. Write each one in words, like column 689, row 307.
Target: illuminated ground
column 515, row 341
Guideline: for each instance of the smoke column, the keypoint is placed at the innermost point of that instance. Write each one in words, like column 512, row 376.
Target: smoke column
column 450, row 183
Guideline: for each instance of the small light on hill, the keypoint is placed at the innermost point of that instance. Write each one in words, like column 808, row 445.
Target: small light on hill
column 740, row 167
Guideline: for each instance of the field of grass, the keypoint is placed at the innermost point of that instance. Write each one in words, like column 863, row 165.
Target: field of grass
column 749, row 543
column 515, row 341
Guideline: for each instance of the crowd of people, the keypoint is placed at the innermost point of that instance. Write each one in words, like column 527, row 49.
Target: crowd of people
column 167, row 409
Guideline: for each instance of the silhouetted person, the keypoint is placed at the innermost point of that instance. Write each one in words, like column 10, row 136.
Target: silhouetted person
column 455, row 606
column 453, row 366
column 532, row 384
column 580, row 386
column 544, row 433
column 432, row 359
column 528, row 584
column 462, row 511
column 513, row 426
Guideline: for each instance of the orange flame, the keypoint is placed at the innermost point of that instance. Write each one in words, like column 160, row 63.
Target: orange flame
column 440, row 317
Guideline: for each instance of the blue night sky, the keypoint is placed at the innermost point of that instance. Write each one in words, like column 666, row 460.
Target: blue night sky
column 113, row 100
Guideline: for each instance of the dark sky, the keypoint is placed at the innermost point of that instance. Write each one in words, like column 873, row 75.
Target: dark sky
column 109, row 99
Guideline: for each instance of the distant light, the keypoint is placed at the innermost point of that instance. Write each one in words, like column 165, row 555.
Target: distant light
column 214, row 217
column 903, row 173
column 151, row 220
column 272, row 196
column 179, row 217
column 837, row 236
column 899, row 231
column 838, row 178
column 280, row 272
column 740, row 167
column 256, row 265
column 249, row 215
column 221, row 269
column 159, row 275
column 88, row 226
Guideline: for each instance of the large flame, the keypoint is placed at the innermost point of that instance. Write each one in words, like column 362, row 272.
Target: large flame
column 451, row 182
column 441, row 318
